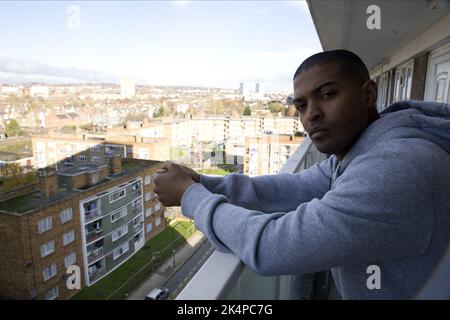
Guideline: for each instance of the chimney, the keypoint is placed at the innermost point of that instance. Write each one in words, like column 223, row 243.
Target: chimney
column 116, row 164
column 49, row 183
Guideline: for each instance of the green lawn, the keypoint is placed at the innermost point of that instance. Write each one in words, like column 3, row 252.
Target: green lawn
column 16, row 146
column 130, row 272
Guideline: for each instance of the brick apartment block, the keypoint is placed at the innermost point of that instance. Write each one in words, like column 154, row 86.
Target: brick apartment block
column 92, row 215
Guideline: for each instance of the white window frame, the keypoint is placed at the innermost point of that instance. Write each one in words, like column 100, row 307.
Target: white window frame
column 148, row 196
column 403, row 83
column 95, row 158
column 121, row 250
column 66, row 215
column 50, row 272
column 148, row 212
column 122, row 193
column 82, row 157
column 147, row 180
column 70, row 259
column 68, row 237
column 149, row 227
column 158, row 222
column 45, row 224
column 158, row 206
column 122, row 212
column 119, row 233
column 52, row 294
column 47, row 248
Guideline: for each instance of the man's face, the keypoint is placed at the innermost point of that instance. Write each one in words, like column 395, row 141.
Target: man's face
column 333, row 107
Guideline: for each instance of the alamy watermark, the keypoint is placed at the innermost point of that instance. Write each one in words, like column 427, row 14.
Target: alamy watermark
column 73, row 21
column 73, row 281
column 373, row 22
column 374, row 280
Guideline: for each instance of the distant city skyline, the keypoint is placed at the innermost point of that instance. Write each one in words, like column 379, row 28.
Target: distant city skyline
column 186, row 43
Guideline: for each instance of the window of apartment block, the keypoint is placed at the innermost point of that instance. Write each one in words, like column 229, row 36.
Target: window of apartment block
column 438, row 75
column 148, row 227
column 95, row 159
column 66, row 215
column 148, row 212
column 148, row 196
column 403, row 81
column 158, row 206
column 122, row 193
column 122, row 250
column 147, row 179
column 52, row 293
column 40, row 146
column 130, row 149
column 68, row 237
column 166, row 213
column 96, row 148
column 119, row 233
column 158, row 222
column 47, row 248
column 68, row 148
column 143, row 153
column 82, row 157
column 70, row 259
column 382, row 100
column 122, row 212
column 49, row 272
column 45, row 224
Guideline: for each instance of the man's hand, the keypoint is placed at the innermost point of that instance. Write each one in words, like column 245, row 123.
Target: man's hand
column 192, row 173
column 171, row 182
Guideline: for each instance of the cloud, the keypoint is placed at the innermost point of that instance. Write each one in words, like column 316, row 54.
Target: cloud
column 300, row 5
column 24, row 70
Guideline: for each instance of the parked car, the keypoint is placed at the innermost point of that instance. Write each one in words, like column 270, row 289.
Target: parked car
column 157, row 294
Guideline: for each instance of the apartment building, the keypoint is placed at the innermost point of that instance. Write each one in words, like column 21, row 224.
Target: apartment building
column 63, row 150
column 267, row 154
column 94, row 216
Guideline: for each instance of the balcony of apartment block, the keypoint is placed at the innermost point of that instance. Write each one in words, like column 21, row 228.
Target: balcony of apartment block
column 96, row 270
column 93, row 231
column 224, row 276
column 92, row 215
column 139, row 241
column 138, row 225
column 95, row 252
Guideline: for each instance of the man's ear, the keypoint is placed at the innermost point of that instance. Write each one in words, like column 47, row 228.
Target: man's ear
column 370, row 90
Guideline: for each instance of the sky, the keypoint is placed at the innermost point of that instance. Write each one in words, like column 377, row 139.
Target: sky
column 194, row 43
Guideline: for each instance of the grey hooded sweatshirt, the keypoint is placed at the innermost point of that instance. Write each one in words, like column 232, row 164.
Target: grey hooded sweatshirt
column 386, row 204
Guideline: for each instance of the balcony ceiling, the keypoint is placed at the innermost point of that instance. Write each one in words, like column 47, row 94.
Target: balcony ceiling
column 342, row 25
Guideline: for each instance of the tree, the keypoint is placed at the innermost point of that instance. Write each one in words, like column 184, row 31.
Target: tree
column 247, row 111
column 12, row 128
column 161, row 113
column 275, row 107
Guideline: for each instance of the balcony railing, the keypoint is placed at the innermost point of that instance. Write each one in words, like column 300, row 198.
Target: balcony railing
column 91, row 215
column 94, row 235
column 97, row 274
column 224, row 276
column 94, row 255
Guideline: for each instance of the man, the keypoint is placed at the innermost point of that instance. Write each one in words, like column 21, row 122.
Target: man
column 381, row 199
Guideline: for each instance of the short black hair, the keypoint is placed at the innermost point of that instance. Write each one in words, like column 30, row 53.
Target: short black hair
column 347, row 60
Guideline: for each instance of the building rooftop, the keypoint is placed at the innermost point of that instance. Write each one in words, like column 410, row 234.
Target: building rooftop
column 79, row 169
column 26, row 203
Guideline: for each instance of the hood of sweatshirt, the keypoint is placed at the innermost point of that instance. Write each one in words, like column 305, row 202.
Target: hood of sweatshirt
column 405, row 119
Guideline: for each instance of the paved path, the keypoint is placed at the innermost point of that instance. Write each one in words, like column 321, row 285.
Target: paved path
column 160, row 276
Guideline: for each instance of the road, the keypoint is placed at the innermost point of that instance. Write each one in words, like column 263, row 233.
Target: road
column 180, row 278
